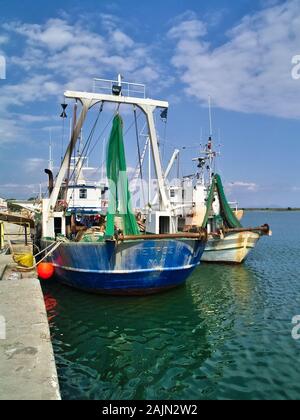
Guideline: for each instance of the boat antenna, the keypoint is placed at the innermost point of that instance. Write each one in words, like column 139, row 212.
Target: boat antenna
column 120, row 77
column 50, row 165
column 210, row 143
column 210, row 118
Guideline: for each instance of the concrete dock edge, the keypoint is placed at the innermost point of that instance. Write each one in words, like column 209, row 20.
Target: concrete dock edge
column 27, row 364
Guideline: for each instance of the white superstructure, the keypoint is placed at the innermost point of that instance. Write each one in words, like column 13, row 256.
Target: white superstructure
column 84, row 195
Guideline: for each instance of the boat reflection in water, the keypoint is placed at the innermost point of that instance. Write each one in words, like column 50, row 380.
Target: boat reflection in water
column 161, row 346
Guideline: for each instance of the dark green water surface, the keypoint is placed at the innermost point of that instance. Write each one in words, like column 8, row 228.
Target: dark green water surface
column 225, row 335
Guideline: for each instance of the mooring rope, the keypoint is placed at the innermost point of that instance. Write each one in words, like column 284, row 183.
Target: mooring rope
column 57, row 244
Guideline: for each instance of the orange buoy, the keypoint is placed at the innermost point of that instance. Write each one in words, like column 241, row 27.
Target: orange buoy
column 45, row 270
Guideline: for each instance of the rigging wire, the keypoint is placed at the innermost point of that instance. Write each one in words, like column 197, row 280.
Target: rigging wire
column 139, row 153
column 88, row 141
column 165, row 133
column 126, row 132
column 105, row 128
column 73, row 143
column 62, row 140
column 81, row 161
column 138, row 142
column 132, row 124
column 100, row 136
column 137, row 168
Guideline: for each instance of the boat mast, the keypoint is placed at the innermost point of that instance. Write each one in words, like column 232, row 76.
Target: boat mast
column 210, row 119
column 208, row 155
column 149, row 172
column 210, row 144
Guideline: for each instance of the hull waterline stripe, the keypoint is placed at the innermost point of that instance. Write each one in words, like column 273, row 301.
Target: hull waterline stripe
column 148, row 270
column 227, row 249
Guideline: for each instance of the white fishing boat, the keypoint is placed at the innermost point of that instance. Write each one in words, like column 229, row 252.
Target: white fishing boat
column 231, row 248
column 203, row 203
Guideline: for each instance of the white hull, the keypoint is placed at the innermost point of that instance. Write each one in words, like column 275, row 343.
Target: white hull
column 233, row 248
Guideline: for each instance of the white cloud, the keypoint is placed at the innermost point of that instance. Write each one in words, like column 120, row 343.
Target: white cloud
column 121, row 40
column 241, row 185
column 109, row 21
column 49, row 128
column 251, row 70
column 55, row 34
column 32, row 89
column 13, row 185
column 3, row 39
column 56, row 56
column 189, row 29
column 34, row 164
column 34, row 118
column 79, row 53
column 21, row 190
column 10, row 131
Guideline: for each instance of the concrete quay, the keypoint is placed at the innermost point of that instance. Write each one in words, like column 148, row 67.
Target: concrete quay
column 27, row 365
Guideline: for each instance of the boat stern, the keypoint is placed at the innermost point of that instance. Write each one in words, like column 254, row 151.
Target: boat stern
column 232, row 249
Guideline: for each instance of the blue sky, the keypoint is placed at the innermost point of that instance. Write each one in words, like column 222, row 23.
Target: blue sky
column 238, row 52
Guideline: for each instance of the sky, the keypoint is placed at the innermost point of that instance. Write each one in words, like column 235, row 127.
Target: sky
column 244, row 54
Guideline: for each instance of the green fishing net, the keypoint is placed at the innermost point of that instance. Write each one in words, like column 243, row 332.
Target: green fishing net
column 227, row 214
column 119, row 205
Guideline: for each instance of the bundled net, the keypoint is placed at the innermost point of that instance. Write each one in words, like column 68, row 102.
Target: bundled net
column 119, row 207
column 227, row 214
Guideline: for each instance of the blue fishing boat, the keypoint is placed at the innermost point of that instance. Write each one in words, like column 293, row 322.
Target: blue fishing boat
column 145, row 266
column 109, row 254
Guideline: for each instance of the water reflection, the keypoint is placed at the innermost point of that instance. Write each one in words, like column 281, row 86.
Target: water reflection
column 226, row 334
column 152, row 347
column 133, row 347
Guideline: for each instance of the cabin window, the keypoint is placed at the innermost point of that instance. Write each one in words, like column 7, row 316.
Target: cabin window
column 172, row 193
column 57, row 225
column 83, row 193
column 164, row 224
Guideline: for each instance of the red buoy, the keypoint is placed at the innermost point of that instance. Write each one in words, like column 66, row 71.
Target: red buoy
column 45, row 270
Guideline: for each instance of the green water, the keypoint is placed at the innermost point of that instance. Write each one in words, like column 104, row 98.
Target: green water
column 225, row 335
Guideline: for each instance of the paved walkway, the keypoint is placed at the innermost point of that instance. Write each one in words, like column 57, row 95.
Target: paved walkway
column 27, row 366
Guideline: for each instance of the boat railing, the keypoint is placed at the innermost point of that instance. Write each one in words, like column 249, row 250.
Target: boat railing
column 106, row 86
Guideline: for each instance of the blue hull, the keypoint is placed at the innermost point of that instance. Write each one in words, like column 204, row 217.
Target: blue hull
column 129, row 268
